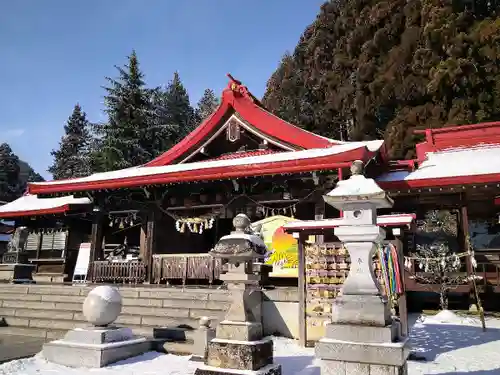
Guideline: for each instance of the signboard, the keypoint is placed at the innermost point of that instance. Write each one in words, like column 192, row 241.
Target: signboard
column 82, row 263
column 283, row 247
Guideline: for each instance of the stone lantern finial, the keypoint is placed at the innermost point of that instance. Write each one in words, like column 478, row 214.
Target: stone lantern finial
column 357, row 167
column 241, row 223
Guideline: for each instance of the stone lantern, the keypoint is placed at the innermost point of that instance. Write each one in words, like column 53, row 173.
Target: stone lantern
column 14, row 264
column 357, row 339
column 239, row 345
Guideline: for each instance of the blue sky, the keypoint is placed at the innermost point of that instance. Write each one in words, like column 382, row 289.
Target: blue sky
column 55, row 53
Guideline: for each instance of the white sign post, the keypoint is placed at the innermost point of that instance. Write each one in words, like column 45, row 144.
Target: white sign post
column 82, row 264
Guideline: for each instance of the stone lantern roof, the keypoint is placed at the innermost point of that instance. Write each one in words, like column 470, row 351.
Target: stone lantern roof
column 357, row 189
column 242, row 244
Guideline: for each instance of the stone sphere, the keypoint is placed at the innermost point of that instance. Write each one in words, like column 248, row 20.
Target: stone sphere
column 205, row 321
column 102, row 305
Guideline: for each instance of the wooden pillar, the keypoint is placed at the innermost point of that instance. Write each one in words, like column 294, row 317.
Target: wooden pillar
column 147, row 241
column 302, row 290
column 464, row 221
column 96, row 238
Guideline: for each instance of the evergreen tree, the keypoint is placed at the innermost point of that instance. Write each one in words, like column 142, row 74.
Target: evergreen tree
column 124, row 139
column 72, row 158
column 368, row 68
column 178, row 108
column 10, row 185
column 164, row 131
column 206, row 105
column 34, row 176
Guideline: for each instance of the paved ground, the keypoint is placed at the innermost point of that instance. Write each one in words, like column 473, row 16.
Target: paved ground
column 15, row 347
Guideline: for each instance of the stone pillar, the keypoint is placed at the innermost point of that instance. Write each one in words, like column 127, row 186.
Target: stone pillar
column 362, row 337
column 239, row 344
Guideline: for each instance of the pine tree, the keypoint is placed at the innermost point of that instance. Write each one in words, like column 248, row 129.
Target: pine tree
column 368, row 68
column 124, row 138
column 164, row 132
column 178, row 107
column 72, row 158
column 206, row 105
column 10, row 184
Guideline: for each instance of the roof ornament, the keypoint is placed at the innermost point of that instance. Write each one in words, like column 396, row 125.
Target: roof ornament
column 237, row 87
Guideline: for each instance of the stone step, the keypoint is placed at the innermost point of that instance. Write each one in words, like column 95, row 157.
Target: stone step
column 52, row 334
column 68, row 310
column 54, row 329
column 167, row 293
column 50, row 311
column 178, row 348
column 68, row 320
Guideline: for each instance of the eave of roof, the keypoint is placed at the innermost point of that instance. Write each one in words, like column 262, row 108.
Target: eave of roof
column 31, row 205
column 395, row 220
column 479, row 164
column 278, row 163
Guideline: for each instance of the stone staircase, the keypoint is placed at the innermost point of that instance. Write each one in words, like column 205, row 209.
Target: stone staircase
column 49, row 311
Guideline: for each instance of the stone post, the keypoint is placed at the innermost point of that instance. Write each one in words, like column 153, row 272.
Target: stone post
column 203, row 335
column 239, row 344
column 362, row 337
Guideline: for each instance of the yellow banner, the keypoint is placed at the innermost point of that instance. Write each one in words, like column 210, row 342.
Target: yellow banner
column 282, row 247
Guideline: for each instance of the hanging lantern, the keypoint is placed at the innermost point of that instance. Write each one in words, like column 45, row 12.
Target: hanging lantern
column 121, row 226
column 203, row 198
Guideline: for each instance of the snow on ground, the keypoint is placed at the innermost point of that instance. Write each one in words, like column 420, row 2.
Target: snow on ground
column 450, row 344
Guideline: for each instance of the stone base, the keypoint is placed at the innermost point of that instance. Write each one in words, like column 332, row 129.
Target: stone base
column 368, row 310
column 16, row 273
column 243, row 331
column 240, row 355
column 99, row 335
column 363, row 334
column 95, row 348
column 267, row 370
column 385, row 354
column 350, row 368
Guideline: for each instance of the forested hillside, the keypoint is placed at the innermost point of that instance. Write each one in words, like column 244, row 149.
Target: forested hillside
column 368, row 69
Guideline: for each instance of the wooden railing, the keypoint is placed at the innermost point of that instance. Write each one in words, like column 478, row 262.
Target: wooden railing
column 185, row 267
column 133, row 272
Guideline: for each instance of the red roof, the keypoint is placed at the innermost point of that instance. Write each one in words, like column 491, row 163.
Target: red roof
column 237, row 98
column 454, row 155
column 330, row 158
column 458, row 136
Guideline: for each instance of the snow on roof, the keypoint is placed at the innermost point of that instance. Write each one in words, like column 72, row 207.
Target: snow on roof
column 394, row 220
column 356, row 185
column 455, row 162
column 253, row 160
column 32, row 204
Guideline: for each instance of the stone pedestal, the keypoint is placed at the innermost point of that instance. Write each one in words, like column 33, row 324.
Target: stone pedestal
column 239, row 346
column 96, row 347
column 362, row 337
